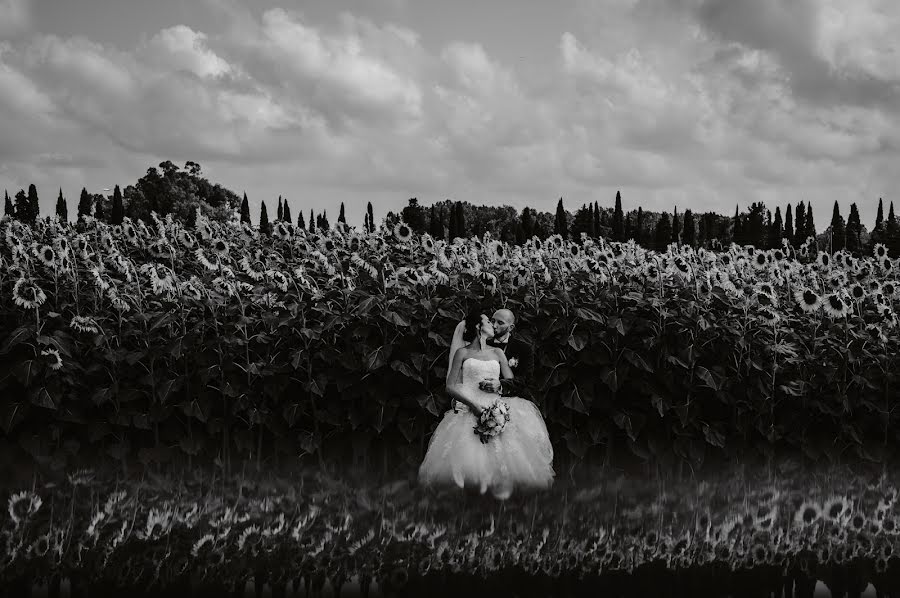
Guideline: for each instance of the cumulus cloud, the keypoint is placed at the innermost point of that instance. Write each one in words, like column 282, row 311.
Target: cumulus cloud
column 15, row 17
column 180, row 47
column 688, row 102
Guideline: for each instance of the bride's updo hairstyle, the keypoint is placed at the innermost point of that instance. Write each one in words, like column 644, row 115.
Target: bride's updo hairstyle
column 473, row 324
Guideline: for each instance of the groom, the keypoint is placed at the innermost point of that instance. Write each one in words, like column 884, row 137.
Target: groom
column 518, row 353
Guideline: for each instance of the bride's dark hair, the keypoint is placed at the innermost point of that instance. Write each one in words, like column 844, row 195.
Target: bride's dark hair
column 473, row 321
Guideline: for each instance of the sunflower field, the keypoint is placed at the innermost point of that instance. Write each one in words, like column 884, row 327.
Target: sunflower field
column 746, row 534
column 155, row 344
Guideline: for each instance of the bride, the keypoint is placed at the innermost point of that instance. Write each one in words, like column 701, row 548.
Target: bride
column 520, row 457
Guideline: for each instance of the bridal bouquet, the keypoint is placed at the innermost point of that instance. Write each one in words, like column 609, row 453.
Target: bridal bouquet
column 492, row 420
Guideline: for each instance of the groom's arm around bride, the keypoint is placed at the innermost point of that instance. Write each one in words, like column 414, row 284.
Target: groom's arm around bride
column 520, row 356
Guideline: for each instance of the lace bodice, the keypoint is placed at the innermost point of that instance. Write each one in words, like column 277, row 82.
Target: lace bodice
column 475, row 370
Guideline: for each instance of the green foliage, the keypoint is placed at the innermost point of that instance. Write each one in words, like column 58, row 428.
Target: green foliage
column 314, row 340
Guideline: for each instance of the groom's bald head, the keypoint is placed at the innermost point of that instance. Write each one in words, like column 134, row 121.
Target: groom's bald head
column 504, row 321
column 505, row 315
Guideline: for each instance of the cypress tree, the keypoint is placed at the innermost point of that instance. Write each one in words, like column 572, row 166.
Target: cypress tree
column 371, row 218
column 591, row 231
column 810, row 222
column 879, row 217
column 676, row 227
column 800, row 225
column 8, row 208
column 23, row 208
column 596, row 219
column 245, row 210
column 788, row 225
column 738, row 229
column 702, row 232
column 341, row 217
column 279, row 215
column 561, row 225
column 527, row 221
column 34, row 208
column 454, row 227
column 629, row 227
column 84, row 204
column 62, row 210
column 300, row 222
column 312, row 222
column 618, row 222
column 854, row 231
column 777, row 230
column 639, row 227
column 435, row 228
column 689, row 232
column 287, row 212
column 663, row 232
column 118, row 208
column 99, row 214
column 263, row 219
column 838, row 229
column 325, row 223
column 461, row 221
column 891, row 232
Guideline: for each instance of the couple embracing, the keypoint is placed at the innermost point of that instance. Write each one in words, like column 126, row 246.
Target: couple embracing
column 520, row 457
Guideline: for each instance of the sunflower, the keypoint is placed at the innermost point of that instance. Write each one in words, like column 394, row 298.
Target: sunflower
column 53, row 355
column 837, row 509
column 808, row 513
column 874, row 286
column 220, row 246
column 187, row 239
column 857, row 292
column 85, row 324
column 886, row 264
column 47, row 256
column 769, row 315
column 204, row 230
column 28, row 294
column 130, row 234
column 823, row 260
column 880, row 251
column 764, row 299
column 808, row 299
column 760, row 260
column 834, row 305
column 889, row 289
column 402, row 232
column 496, row 250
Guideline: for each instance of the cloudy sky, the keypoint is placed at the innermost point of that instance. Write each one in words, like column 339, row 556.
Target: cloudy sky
column 702, row 104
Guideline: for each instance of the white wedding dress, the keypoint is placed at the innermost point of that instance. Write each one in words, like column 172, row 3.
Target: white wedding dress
column 520, row 457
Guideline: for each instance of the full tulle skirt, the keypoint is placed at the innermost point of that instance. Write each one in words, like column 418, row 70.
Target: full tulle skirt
column 520, row 458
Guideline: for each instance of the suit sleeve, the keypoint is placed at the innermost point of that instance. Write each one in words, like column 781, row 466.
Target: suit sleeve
column 523, row 375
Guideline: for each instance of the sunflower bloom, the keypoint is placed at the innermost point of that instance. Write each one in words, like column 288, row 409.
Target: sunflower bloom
column 834, row 305
column 402, row 232
column 55, row 360
column 28, row 294
column 808, row 299
column 85, row 324
column 47, row 255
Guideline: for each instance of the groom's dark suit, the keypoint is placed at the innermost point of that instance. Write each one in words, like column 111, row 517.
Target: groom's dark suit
column 521, row 361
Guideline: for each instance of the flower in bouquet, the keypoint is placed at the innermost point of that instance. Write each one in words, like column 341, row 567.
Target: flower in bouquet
column 492, row 420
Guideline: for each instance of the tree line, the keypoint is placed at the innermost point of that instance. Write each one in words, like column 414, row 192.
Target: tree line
column 168, row 189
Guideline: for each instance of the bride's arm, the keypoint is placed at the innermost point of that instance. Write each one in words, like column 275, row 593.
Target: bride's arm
column 455, row 387
column 505, row 370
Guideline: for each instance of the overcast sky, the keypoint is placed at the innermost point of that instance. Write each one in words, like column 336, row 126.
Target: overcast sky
column 702, row 104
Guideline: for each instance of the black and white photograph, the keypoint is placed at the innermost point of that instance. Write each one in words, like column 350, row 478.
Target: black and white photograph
column 421, row 298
